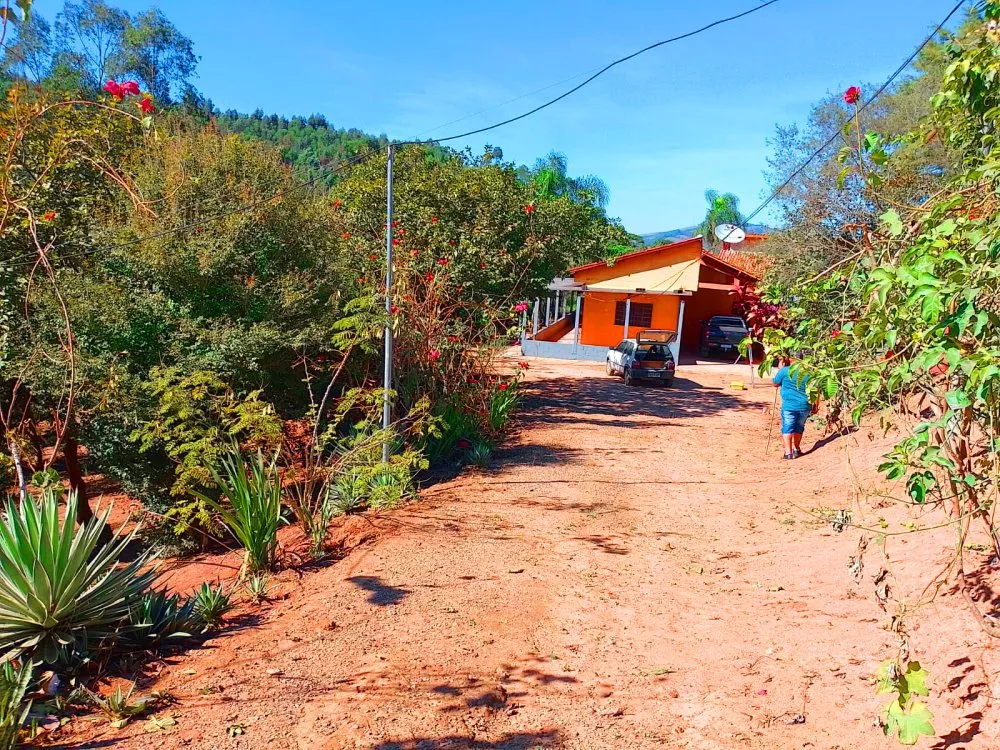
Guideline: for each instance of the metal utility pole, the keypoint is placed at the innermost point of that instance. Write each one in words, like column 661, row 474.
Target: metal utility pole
column 387, row 373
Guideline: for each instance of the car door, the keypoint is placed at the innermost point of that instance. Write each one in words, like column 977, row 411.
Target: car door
column 628, row 354
column 615, row 356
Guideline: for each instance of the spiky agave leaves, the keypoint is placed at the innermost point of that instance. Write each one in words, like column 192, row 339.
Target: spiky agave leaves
column 61, row 591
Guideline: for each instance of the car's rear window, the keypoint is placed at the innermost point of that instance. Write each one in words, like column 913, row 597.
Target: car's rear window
column 720, row 320
column 652, row 352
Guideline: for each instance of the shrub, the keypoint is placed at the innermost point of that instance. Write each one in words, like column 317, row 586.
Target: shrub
column 257, row 587
column 480, row 455
column 254, row 511
column 157, row 617
column 210, row 604
column 59, row 590
column 346, row 495
column 14, row 680
column 503, row 402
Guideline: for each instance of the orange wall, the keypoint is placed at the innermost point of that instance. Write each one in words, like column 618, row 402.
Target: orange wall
column 556, row 330
column 597, row 320
column 667, row 255
column 701, row 306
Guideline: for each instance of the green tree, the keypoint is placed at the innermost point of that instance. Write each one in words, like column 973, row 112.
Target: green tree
column 158, row 55
column 90, row 36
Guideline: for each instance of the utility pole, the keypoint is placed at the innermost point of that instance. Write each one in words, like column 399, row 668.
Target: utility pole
column 387, row 374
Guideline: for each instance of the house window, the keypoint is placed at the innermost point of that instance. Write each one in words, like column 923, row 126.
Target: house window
column 640, row 316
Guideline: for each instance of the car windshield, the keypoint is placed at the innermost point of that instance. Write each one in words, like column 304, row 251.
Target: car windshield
column 734, row 322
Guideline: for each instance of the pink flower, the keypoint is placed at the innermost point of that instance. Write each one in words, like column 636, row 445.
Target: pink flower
column 521, row 307
column 114, row 89
column 852, row 95
column 442, row 261
column 434, row 355
column 130, row 88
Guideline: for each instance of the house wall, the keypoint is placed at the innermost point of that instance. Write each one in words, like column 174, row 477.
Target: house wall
column 639, row 262
column 704, row 304
column 597, row 319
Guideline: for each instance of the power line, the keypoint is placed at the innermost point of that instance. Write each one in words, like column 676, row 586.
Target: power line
column 599, row 73
column 837, row 134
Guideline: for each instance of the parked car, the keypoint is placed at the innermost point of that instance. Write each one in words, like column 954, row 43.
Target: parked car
column 722, row 333
column 648, row 357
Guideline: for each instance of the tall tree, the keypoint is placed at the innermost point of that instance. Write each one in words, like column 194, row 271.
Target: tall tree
column 90, row 37
column 159, row 55
column 30, row 55
column 723, row 208
column 551, row 178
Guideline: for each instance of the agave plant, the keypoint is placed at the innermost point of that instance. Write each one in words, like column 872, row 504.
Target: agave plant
column 480, row 455
column 60, row 591
column 253, row 513
column 14, row 709
column 157, row 617
column 210, row 604
column 387, row 489
column 257, row 587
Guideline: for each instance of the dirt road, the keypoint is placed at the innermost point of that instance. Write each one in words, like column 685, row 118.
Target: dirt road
column 632, row 572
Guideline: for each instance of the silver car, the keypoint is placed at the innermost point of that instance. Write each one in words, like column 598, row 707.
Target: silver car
column 648, row 357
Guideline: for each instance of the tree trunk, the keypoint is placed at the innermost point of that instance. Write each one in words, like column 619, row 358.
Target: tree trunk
column 15, row 454
column 77, row 484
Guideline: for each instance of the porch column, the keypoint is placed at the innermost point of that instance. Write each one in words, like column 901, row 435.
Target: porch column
column 576, row 326
column 556, row 314
column 628, row 313
column 680, row 327
column 548, row 307
column 534, row 320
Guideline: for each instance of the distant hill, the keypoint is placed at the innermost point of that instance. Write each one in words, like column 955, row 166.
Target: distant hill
column 673, row 235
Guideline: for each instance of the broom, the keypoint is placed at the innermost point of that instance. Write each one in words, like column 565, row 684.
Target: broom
column 770, row 423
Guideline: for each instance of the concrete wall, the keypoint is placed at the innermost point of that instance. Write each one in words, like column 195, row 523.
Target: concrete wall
column 597, row 324
column 552, row 350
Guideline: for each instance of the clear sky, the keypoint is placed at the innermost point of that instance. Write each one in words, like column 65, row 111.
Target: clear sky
column 659, row 130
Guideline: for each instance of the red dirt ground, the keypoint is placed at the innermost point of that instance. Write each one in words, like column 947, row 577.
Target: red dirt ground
column 631, row 572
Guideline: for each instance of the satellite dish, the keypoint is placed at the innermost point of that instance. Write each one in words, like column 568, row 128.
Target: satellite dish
column 730, row 234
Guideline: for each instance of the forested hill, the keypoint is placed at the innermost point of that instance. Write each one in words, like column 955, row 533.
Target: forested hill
column 310, row 145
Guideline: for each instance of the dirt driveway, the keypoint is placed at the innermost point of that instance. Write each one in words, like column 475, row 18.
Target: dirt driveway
column 632, row 572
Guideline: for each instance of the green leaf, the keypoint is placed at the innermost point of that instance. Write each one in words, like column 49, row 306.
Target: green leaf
column 843, row 176
column 958, row 399
column 915, row 678
column 892, row 222
column 909, row 723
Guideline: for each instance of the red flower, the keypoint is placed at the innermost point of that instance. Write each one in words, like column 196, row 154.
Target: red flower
column 453, row 339
column 251, row 282
column 147, row 106
column 114, row 89
column 372, row 257
column 835, row 333
column 523, row 365
column 130, row 88
column 49, row 216
column 337, row 203
column 530, row 208
column 451, row 242
column 428, row 276
column 503, row 386
column 442, row 261
column 852, row 95
column 393, row 309
column 521, row 307
column 434, row 220
column 395, row 223
column 434, row 355
column 414, row 253
column 463, row 443
column 346, row 235
column 482, row 265
column 400, row 232
column 362, row 280
column 395, row 242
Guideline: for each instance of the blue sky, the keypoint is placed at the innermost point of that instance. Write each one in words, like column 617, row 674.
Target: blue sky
column 659, row 130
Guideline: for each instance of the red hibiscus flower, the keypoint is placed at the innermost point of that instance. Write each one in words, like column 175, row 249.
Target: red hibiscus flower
column 393, row 309
column 400, row 232
column 49, row 216
column 114, row 89
column 147, row 106
column 428, row 276
column 395, row 242
column 434, row 220
column 482, row 265
column 852, row 95
column 451, row 242
column 395, row 223
column 835, row 333
column 463, row 443
column 523, row 365
column 530, row 208
column 434, row 355
column 442, row 261
column 130, row 88
column 521, row 307
column 337, row 203
column 503, row 386
column 346, row 235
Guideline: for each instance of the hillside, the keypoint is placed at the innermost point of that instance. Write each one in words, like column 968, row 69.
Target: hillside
column 673, row 235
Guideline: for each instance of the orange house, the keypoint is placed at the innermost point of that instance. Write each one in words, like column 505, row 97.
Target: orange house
column 673, row 287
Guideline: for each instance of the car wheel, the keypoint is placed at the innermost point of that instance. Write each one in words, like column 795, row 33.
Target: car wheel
column 627, row 377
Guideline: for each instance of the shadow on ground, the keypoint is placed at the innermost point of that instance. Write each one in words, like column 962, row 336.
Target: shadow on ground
column 519, row 741
column 609, row 402
column 379, row 593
